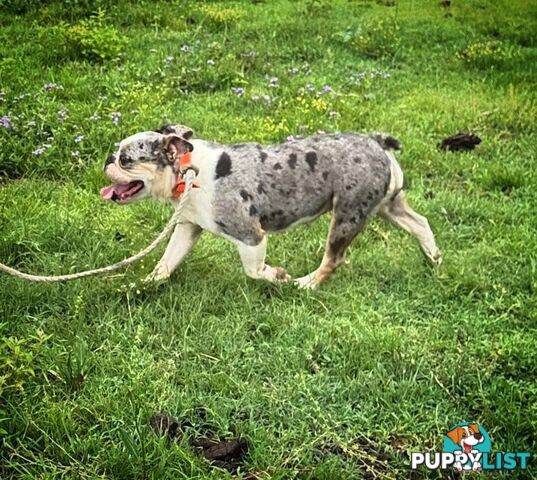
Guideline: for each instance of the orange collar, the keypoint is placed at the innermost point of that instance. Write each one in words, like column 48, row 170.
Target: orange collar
column 185, row 161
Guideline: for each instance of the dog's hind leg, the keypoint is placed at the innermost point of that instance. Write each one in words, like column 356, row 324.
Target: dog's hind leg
column 343, row 229
column 253, row 261
column 398, row 211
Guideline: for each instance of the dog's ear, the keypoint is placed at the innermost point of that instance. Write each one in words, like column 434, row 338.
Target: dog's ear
column 181, row 130
column 456, row 435
column 175, row 146
column 184, row 131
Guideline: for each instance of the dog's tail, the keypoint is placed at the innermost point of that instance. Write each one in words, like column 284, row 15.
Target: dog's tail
column 387, row 142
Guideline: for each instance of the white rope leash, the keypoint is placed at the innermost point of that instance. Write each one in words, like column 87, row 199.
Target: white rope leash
column 189, row 177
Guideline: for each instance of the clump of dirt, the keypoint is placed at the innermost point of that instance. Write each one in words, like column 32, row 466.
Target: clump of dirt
column 460, row 142
column 227, row 454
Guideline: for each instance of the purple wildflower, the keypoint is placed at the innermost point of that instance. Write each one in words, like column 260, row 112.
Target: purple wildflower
column 239, row 91
column 52, row 86
column 79, row 138
column 42, row 149
column 39, row 151
column 273, row 82
column 63, row 113
column 310, row 87
column 327, row 89
column 6, row 123
column 116, row 118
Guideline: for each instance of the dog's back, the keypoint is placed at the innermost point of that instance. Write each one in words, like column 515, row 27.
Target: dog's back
column 290, row 183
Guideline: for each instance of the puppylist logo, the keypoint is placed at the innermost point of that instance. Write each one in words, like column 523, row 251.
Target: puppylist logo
column 467, row 446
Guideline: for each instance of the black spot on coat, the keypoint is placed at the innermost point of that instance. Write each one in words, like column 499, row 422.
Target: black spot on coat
column 292, row 160
column 223, row 167
column 277, row 166
column 253, row 211
column 263, row 156
column 245, row 195
column 311, row 160
column 325, row 176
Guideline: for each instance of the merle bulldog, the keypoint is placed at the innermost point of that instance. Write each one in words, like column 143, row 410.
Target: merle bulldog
column 247, row 191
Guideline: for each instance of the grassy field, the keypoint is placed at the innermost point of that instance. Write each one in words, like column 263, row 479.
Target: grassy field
column 342, row 382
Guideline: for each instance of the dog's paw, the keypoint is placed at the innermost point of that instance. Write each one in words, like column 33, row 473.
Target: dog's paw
column 276, row 274
column 434, row 257
column 307, row 281
column 158, row 275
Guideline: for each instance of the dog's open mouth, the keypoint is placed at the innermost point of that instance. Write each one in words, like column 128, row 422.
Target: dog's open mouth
column 122, row 193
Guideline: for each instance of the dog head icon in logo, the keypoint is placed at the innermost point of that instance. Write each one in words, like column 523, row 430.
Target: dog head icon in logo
column 467, row 438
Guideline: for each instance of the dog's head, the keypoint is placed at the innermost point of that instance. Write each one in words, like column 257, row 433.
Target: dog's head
column 466, row 436
column 145, row 164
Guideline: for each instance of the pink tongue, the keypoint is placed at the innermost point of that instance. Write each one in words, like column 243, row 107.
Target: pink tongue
column 108, row 192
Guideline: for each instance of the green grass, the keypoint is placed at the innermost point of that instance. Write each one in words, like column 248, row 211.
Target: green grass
column 342, row 382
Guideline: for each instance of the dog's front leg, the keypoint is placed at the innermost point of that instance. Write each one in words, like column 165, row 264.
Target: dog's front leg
column 253, row 261
column 183, row 239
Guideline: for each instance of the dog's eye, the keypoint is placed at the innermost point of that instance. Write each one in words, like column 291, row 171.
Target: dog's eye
column 124, row 160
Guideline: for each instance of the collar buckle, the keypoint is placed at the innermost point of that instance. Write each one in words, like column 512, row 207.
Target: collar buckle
column 182, row 166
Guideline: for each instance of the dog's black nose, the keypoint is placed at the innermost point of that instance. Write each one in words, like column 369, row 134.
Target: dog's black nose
column 109, row 160
column 478, row 436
